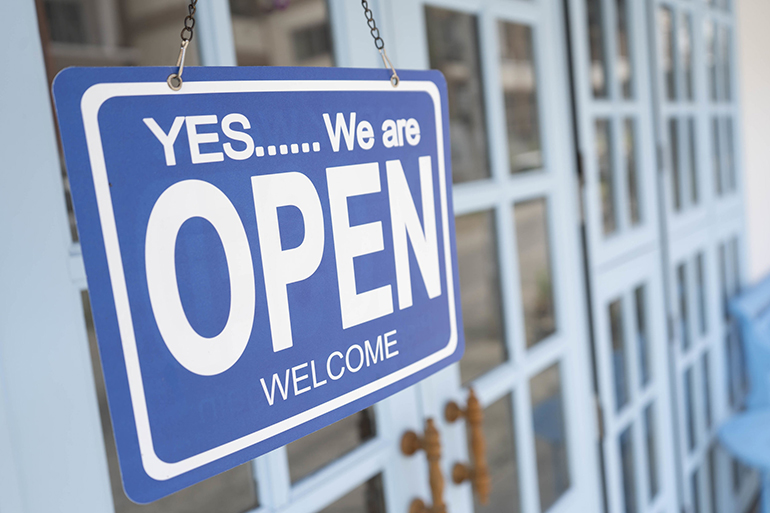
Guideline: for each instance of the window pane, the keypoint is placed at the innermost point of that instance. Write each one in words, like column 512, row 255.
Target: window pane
column 676, row 179
column 519, row 81
column 681, row 293
column 629, row 156
column 501, row 451
column 689, row 409
column 695, row 489
column 550, row 436
column 531, row 218
column 724, row 60
column 713, row 478
column 453, row 46
column 606, row 179
column 597, row 48
column 652, row 459
column 701, row 284
column 233, row 491
column 729, row 179
column 723, row 281
column 705, row 373
column 282, row 33
column 624, row 66
column 666, row 30
column 314, row 451
column 685, row 54
column 642, row 335
column 480, row 293
column 716, row 156
column 367, row 498
column 691, row 161
column 620, row 371
column 711, row 58
column 627, row 465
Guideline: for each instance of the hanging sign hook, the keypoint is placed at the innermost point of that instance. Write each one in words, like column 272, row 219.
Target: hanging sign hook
column 378, row 42
column 174, row 80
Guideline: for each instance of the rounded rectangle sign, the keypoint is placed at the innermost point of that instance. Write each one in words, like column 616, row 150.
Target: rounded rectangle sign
column 268, row 250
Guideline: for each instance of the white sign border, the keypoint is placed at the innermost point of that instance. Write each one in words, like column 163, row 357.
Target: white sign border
column 91, row 103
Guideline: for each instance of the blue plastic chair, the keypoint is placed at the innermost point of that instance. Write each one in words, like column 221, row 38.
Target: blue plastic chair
column 747, row 434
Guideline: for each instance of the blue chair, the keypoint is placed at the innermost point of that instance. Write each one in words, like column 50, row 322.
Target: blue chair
column 747, row 434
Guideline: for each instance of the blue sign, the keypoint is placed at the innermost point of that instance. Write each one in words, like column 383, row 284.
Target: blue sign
column 268, row 250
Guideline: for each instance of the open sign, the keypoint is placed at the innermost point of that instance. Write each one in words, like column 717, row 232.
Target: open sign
column 267, row 252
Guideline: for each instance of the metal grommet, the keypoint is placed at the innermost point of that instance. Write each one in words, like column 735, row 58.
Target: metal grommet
column 174, row 81
column 394, row 80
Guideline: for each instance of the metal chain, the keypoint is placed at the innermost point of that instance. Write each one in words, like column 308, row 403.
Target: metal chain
column 174, row 80
column 378, row 42
column 189, row 21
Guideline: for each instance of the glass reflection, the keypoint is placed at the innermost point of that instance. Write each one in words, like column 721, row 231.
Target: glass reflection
column 695, row 489
column 682, row 295
column 369, row 497
column 689, row 409
column 312, row 452
column 706, row 385
column 606, row 178
column 620, row 371
column 531, row 218
column 626, row 443
column 685, row 53
column 724, row 60
column 691, row 162
column 624, row 66
column 711, row 58
column 701, row 284
column 480, row 293
column 642, row 335
column 282, row 33
column 550, row 436
column 501, row 453
column 716, row 156
column 666, row 30
column 453, row 46
column 598, row 75
column 729, row 173
column 676, row 179
column 629, row 156
column 519, row 81
column 652, row 459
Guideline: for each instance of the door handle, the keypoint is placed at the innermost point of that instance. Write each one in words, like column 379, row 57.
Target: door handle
column 430, row 442
column 478, row 473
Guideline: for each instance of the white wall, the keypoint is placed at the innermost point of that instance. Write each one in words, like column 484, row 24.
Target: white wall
column 754, row 75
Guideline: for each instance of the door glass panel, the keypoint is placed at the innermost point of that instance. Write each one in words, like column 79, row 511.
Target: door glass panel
column 729, row 155
column 627, row 464
column 519, row 81
column 624, row 67
column 550, row 436
column 652, row 459
column 618, row 354
column 233, row 491
column 629, row 154
column 723, row 281
column 716, row 159
column 681, row 292
column 453, row 46
column 706, row 389
column 701, row 284
column 685, row 54
column 676, row 179
column 531, row 218
column 689, row 409
column 367, row 498
column 724, row 60
column 501, row 451
column 480, row 293
column 606, row 179
column 597, row 49
column 666, row 28
column 312, row 452
column 642, row 335
column 695, row 488
column 282, row 33
column 692, row 163
column 711, row 58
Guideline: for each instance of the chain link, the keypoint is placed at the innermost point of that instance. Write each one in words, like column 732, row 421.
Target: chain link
column 378, row 42
column 189, row 22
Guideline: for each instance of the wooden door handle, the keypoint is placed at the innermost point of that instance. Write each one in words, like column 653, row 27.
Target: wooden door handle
column 430, row 442
column 478, row 472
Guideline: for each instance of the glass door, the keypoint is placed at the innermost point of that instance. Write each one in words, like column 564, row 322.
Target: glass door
column 527, row 353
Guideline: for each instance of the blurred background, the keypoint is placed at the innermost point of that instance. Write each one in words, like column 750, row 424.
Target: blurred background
column 611, row 187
